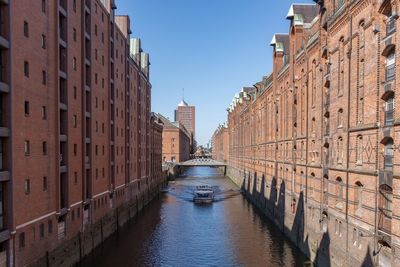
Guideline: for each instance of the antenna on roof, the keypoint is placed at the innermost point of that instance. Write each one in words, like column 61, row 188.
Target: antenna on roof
column 183, row 94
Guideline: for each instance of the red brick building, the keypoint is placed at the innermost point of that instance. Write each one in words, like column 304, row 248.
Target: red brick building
column 220, row 143
column 175, row 141
column 186, row 115
column 76, row 137
column 314, row 143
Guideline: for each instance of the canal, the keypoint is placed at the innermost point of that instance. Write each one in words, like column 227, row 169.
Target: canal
column 173, row 231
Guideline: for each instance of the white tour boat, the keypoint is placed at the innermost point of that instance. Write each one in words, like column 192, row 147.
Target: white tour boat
column 203, row 194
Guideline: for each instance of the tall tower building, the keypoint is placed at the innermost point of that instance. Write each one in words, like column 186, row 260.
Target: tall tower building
column 186, row 115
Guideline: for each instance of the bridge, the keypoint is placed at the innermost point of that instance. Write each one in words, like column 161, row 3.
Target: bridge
column 202, row 162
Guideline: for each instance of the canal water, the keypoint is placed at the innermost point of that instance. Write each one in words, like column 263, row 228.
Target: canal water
column 173, row 231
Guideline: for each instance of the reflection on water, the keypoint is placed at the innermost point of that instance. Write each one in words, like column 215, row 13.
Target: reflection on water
column 173, row 231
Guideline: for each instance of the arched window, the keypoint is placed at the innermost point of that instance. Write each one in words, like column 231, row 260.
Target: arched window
column 388, row 155
column 314, row 86
column 359, row 149
column 362, row 33
column 358, row 196
column 341, row 66
column 340, row 118
column 339, row 158
column 313, row 124
column 339, row 190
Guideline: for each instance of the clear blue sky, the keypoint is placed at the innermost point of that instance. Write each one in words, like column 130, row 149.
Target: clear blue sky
column 212, row 48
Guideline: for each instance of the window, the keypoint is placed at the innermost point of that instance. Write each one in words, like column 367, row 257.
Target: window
column 74, row 63
column 388, row 155
column 339, row 190
column 41, row 230
column 359, row 149
column 44, row 112
column 390, row 66
column 339, row 157
column 26, row 29
column 97, row 173
column 50, row 226
column 75, row 89
column 26, row 69
column 45, row 183
column 74, row 5
column 43, row 41
column 95, row 29
column 389, row 111
column 44, row 6
column 75, row 149
column 44, row 77
column 44, row 148
column 358, row 195
column 27, row 186
column 27, row 147
column 21, row 240
column 74, row 121
column 75, row 178
column 340, row 118
column 26, row 108
column 74, row 34
column 390, row 25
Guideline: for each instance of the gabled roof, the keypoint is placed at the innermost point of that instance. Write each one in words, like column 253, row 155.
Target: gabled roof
column 167, row 123
column 307, row 12
column 281, row 41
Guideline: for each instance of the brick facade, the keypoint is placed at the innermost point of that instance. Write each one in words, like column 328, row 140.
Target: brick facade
column 314, row 143
column 220, row 144
column 175, row 141
column 77, row 138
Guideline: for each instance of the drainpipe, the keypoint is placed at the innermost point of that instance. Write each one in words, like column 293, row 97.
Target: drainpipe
column 348, row 133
